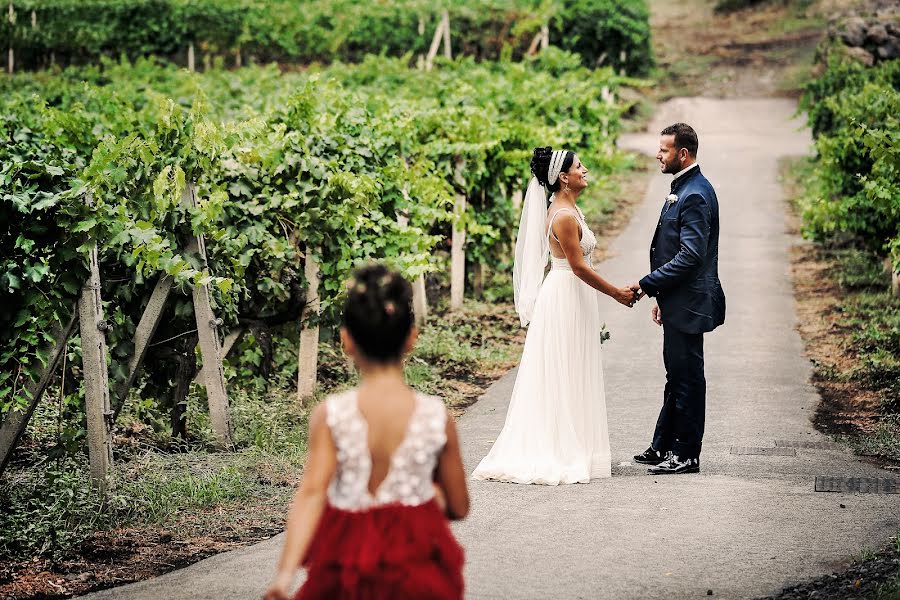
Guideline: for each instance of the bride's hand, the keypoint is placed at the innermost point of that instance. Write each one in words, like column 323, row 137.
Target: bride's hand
column 625, row 296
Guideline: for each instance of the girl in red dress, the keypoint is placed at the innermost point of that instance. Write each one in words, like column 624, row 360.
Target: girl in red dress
column 384, row 471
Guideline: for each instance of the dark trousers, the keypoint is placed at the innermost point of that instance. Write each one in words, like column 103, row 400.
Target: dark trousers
column 681, row 420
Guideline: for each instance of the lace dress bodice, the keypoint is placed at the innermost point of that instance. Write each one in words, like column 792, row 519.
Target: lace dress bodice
column 588, row 240
column 410, row 474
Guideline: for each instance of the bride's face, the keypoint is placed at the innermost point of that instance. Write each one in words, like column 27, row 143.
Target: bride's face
column 576, row 177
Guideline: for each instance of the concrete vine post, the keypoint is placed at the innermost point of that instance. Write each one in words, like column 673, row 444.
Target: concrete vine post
column 308, row 354
column 96, row 378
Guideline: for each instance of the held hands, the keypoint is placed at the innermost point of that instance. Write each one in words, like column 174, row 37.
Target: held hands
column 628, row 295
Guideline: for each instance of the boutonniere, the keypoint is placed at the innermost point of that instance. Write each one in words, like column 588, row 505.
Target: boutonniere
column 671, row 199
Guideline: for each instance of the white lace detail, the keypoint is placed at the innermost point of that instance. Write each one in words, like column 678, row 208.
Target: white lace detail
column 588, row 241
column 410, row 475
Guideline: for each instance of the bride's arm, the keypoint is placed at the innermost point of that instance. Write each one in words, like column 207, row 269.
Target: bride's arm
column 566, row 229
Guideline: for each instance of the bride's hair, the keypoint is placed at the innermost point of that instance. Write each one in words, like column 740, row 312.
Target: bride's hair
column 378, row 312
column 540, row 166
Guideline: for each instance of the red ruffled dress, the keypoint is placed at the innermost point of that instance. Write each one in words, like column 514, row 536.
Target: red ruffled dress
column 397, row 542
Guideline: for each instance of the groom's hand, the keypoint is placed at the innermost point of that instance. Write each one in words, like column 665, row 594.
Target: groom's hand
column 656, row 315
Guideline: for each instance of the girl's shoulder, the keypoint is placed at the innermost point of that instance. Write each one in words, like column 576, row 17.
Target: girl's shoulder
column 432, row 405
column 339, row 405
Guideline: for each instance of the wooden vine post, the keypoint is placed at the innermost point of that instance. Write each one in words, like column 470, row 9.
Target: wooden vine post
column 540, row 40
column 88, row 314
column 445, row 19
column 15, row 422
column 308, row 354
column 441, row 34
column 10, row 56
column 208, row 339
column 191, row 59
column 420, row 301
column 96, row 379
column 609, row 99
column 517, row 198
column 895, row 275
column 144, row 332
column 458, row 242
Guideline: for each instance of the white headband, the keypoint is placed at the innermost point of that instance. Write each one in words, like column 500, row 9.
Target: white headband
column 556, row 162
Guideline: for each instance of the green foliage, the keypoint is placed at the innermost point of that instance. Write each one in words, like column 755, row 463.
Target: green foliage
column 75, row 31
column 606, row 32
column 855, row 193
column 284, row 166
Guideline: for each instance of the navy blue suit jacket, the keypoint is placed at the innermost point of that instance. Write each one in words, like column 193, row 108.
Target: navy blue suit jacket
column 684, row 258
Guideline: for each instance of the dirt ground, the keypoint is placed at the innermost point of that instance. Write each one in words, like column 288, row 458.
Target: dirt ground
column 762, row 52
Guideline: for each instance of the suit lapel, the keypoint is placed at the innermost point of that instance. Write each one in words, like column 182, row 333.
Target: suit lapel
column 678, row 185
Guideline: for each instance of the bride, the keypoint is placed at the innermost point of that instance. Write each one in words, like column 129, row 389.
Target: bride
column 555, row 430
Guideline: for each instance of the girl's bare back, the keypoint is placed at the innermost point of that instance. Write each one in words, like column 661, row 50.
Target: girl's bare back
column 387, row 410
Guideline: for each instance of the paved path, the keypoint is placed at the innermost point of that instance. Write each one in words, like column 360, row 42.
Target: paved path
column 746, row 525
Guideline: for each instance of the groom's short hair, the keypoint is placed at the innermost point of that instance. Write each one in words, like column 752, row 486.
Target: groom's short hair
column 685, row 137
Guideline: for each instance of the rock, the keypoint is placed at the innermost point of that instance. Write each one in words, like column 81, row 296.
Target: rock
column 890, row 50
column 877, row 35
column 80, row 577
column 860, row 54
column 165, row 537
column 854, row 32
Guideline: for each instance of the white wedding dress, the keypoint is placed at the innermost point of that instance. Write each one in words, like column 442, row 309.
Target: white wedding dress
column 556, row 429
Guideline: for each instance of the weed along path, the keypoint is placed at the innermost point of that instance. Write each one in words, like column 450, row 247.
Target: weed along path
column 751, row 521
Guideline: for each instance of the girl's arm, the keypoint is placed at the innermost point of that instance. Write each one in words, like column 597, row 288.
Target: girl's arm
column 566, row 229
column 451, row 477
column 308, row 504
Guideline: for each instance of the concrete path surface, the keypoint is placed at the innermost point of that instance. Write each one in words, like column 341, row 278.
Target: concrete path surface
column 747, row 524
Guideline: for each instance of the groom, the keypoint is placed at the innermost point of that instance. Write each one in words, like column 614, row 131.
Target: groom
column 684, row 256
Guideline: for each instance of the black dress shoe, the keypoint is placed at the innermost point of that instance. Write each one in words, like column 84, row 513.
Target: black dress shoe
column 673, row 465
column 650, row 457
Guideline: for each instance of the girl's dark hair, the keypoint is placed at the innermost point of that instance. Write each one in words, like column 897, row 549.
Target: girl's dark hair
column 540, row 166
column 378, row 312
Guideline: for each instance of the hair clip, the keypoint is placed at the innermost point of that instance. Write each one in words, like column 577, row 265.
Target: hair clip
column 386, row 280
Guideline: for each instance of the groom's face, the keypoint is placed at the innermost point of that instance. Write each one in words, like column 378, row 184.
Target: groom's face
column 670, row 159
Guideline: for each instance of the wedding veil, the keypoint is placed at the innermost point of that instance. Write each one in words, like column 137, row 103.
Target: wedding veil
column 532, row 251
column 532, row 243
